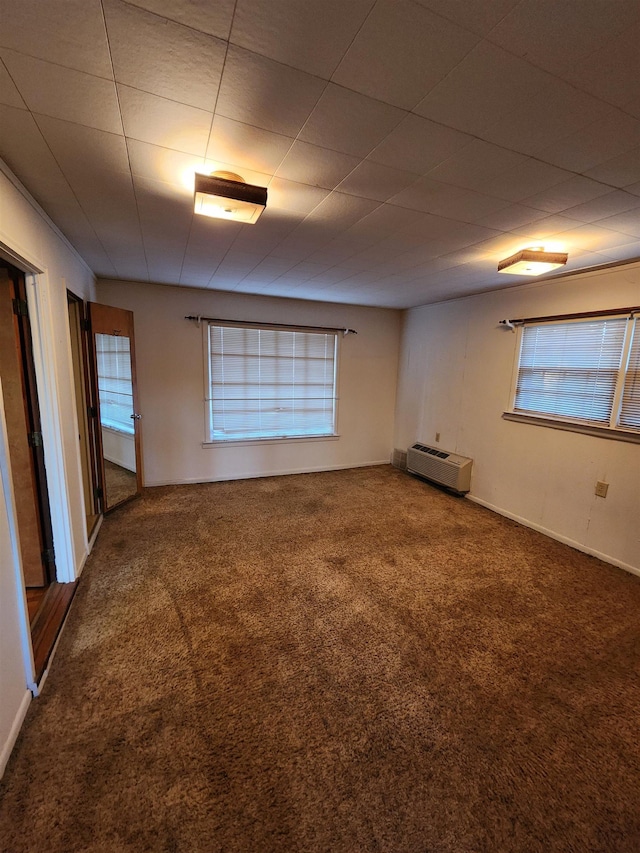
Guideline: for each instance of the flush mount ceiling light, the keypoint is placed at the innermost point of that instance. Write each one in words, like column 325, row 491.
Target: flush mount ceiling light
column 532, row 261
column 224, row 195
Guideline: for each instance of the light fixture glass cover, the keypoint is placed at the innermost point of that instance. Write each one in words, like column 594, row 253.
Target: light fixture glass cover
column 532, row 261
column 223, row 197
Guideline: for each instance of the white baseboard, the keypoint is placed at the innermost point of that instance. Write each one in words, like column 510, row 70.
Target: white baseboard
column 552, row 534
column 14, row 731
column 256, row 475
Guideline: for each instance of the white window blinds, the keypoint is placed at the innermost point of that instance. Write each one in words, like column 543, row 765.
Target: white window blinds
column 270, row 383
column 630, row 409
column 114, row 382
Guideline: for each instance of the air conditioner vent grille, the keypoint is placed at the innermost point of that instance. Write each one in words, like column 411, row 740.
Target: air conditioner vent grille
column 447, row 469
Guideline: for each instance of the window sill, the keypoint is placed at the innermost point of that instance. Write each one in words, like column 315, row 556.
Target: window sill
column 570, row 426
column 241, row 442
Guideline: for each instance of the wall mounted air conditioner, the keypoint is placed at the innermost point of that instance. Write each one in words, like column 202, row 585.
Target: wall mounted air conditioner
column 440, row 466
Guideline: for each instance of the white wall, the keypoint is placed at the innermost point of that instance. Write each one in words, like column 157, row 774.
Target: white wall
column 455, row 378
column 119, row 448
column 30, row 241
column 170, row 365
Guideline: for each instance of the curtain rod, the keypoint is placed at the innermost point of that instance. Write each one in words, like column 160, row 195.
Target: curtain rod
column 577, row 316
column 198, row 318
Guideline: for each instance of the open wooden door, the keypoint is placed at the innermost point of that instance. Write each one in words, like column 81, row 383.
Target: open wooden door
column 119, row 435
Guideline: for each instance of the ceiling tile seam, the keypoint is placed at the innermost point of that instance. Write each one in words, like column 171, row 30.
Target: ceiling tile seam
column 73, row 193
column 58, row 64
column 26, row 108
column 180, row 23
column 133, row 183
column 206, row 148
column 355, row 36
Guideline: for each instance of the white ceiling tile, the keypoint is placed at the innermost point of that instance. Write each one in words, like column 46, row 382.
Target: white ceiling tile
column 9, row 94
column 374, row 181
column 479, row 17
column 513, row 216
column 545, row 229
column 594, row 238
column 418, row 145
column 614, row 202
column 264, row 93
column 64, row 93
column 488, row 84
column 401, row 52
column 474, row 165
column 309, row 164
column 73, row 35
column 162, row 57
column 349, row 122
column 311, row 36
column 162, row 122
column 557, row 35
column 615, row 134
column 84, row 152
column 213, row 18
column 339, row 211
column 163, row 164
column 246, row 146
column 524, row 180
column 620, row 171
column 299, row 198
column 569, row 193
column 612, row 72
column 446, row 200
column 555, row 112
column 628, row 222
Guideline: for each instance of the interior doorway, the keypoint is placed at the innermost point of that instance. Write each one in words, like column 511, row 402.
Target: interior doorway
column 47, row 600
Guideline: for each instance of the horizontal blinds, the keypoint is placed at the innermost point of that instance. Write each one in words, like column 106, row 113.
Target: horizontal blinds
column 113, row 364
column 267, row 383
column 570, row 369
column 630, row 409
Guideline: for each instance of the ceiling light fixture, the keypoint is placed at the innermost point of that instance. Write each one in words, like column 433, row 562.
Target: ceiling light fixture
column 224, row 195
column 532, row 261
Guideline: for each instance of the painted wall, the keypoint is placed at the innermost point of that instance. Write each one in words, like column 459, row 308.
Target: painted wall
column 25, row 232
column 455, row 378
column 119, row 448
column 170, row 365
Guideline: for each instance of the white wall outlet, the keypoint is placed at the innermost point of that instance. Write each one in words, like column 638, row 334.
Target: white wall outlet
column 601, row 489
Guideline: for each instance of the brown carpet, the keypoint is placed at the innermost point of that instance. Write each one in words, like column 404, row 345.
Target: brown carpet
column 348, row 662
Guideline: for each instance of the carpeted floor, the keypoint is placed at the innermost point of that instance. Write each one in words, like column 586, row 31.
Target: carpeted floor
column 335, row 663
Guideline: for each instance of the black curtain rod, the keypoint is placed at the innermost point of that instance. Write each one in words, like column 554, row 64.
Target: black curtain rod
column 578, row 316
column 253, row 325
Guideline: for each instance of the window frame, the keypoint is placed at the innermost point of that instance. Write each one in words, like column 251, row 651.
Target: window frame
column 610, row 431
column 210, row 442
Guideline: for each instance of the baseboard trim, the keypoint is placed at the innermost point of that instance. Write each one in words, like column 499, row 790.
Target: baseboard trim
column 255, row 476
column 552, row 534
column 7, row 749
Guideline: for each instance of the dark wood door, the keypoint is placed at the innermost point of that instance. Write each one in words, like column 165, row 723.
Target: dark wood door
column 117, row 397
column 24, row 431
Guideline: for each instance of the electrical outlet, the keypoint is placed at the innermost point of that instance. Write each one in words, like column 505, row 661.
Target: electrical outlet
column 437, row 436
column 601, row 489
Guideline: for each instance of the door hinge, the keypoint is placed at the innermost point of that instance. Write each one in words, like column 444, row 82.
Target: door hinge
column 20, row 307
column 92, row 411
column 35, row 439
column 98, row 493
column 48, row 556
column 84, row 325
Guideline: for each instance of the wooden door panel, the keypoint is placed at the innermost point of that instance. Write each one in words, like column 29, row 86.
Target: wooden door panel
column 22, row 464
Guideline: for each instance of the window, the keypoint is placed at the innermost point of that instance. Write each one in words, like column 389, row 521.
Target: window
column 270, row 383
column 582, row 371
column 114, row 382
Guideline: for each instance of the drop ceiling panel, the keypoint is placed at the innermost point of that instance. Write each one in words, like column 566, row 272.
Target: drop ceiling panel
column 614, row 202
column 487, row 85
column 349, row 122
column 64, row 93
column 612, row 71
column 264, row 93
column 524, row 180
column 569, row 193
column 388, row 60
column 603, row 140
column 479, row 17
column 620, row 171
column 162, row 57
column 246, row 146
column 374, row 181
column 83, row 153
column 311, row 36
column 9, row 94
column 43, row 30
column 418, row 145
column 168, row 124
column 475, row 165
column 320, row 167
column 213, row 18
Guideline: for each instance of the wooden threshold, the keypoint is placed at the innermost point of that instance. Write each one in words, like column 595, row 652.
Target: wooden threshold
column 48, row 621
